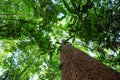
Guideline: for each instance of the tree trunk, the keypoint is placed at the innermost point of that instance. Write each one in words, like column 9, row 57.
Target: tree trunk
column 77, row 65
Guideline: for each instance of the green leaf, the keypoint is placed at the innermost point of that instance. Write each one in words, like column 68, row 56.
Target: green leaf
column 67, row 7
column 59, row 8
column 74, row 5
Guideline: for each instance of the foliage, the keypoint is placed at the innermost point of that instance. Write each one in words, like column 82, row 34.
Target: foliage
column 96, row 22
column 28, row 49
column 30, row 31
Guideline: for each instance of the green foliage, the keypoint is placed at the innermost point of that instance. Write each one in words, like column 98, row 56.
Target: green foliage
column 27, row 25
column 30, row 33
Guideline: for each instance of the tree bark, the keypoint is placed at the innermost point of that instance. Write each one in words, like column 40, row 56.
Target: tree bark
column 77, row 65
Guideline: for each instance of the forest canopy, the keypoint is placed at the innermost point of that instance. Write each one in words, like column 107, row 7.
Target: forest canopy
column 31, row 32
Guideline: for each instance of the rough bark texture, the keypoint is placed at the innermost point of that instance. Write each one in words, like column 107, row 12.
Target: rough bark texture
column 77, row 65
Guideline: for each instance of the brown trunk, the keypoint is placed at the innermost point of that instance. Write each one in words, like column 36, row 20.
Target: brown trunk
column 77, row 65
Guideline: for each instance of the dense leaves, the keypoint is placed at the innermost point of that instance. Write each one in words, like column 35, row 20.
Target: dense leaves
column 98, row 19
column 27, row 25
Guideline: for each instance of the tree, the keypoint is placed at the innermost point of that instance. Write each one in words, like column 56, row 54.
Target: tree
column 30, row 31
column 97, row 23
column 77, row 65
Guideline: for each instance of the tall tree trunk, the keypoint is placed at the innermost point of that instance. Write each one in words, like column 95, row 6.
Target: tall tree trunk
column 77, row 65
